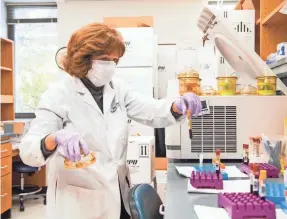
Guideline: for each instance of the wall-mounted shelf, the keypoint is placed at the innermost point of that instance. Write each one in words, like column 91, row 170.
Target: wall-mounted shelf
column 275, row 17
column 7, row 80
column 271, row 25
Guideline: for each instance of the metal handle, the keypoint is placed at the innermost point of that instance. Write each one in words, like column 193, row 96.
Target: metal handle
column 4, row 151
column 4, row 167
column 4, row 195
column 161, row 209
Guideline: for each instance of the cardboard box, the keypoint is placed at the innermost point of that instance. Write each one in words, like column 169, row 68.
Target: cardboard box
column 137, row 129
column 140, row 48
column 138, row 79
column 142, row 21
column 140, row 159
column 166, row 67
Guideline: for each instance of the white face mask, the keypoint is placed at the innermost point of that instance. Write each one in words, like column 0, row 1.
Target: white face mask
column 101, row 72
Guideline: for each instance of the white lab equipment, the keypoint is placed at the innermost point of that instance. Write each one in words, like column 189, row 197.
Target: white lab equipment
column 242, row 24
column 232, row 119
column 140, row 159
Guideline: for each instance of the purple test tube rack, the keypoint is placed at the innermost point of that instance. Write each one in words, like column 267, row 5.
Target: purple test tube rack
column 246, row 205
column 206, row 180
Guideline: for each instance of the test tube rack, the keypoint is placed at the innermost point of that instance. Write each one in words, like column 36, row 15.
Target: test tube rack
column 275, row 192
column 272, row 171
column 246, row 205
column 206, row 180
column 210, row 168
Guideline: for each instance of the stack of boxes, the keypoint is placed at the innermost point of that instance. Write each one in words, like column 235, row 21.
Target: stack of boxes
column 137, row 70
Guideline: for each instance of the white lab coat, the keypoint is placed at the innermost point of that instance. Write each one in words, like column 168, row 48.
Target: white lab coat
column 92, row 192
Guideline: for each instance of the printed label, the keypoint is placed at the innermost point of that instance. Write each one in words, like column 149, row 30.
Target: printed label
column 263, row 190
column 256, row 185
column 251, row 179
column 143, row 150
column 132, row 162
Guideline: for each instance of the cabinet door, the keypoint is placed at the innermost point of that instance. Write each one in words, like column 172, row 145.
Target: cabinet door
column 6, row 149
column 6, row 165
column 6, row 192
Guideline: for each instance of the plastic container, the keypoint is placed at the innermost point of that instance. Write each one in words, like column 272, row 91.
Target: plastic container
column 208, row 91
column 86, row 160
column 226, row 86
column 189, row 82
column 266, row 85
column 248, row 90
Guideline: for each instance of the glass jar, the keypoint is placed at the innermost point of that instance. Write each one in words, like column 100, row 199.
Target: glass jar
column 189, row 82
column 266, row 85
column 226, row 86
column 86, row 160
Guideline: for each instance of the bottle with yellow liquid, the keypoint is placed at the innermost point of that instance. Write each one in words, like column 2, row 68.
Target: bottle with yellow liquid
column 86, row 160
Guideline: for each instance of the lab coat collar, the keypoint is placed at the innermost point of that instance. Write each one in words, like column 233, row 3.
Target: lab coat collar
column 87, row 96
column 108, row 98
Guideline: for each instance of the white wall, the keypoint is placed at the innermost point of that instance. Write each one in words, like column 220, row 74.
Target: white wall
column 3, row 23
column 174, row 20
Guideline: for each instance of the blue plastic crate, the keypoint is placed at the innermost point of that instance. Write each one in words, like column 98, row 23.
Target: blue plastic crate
column 283, row 206
column 209, row 168
column 275, row 192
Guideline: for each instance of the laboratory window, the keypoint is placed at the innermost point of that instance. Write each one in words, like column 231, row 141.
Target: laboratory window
column 33, row 28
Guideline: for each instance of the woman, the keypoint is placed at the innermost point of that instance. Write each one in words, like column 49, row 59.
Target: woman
column 89, row 111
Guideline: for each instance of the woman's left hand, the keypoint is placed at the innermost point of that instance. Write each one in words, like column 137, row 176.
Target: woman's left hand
column 188, row 102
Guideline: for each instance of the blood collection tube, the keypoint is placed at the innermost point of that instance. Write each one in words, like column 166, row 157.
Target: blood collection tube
column 262, row 184
column 217, row 162
column 245, row 154
column 256, row 181
column 251, row 176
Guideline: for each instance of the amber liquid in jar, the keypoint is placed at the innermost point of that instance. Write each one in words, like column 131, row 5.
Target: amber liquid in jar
column 189, row 82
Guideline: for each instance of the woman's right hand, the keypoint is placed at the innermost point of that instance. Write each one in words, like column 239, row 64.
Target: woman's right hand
column 69, row 144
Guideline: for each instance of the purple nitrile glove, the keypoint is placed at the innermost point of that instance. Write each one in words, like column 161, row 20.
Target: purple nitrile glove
column 70, row 144
column 189, row 101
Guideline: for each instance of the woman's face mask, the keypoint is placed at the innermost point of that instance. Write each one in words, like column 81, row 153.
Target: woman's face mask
column 101, row 72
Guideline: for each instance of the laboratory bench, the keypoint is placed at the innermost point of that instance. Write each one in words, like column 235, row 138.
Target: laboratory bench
column 178, row 202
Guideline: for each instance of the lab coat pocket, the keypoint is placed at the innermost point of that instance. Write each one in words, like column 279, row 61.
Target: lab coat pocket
column 81, row 203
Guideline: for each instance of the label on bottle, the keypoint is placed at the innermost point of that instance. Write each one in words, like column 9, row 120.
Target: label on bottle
column 262, row 191
column 251, row 179
column 256, row 185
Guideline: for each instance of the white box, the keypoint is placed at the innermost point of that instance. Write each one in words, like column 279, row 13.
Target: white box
column 140, row 48
column 135, row 128
column 140, row 159
column 166, row 67
column 243, row 23
column 138, row 79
